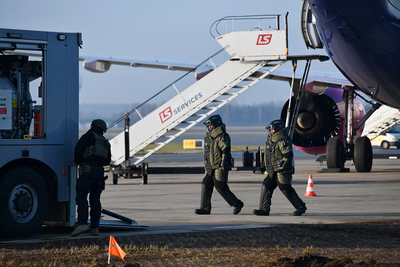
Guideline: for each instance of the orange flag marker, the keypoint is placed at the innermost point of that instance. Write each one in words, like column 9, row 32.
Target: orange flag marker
column 115, row 249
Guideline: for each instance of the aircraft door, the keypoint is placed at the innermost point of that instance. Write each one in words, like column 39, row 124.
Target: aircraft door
column 309, row 27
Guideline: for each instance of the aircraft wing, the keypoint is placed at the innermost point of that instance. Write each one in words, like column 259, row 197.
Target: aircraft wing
column 102, row 63
column 98, row 63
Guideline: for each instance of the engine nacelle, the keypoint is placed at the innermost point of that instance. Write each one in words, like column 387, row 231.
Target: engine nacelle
column 320, row 118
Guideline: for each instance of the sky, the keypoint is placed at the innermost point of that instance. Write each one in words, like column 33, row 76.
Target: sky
column 168, row 30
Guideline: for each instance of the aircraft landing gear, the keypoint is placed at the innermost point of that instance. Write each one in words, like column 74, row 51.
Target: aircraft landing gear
column 362, row 157
column 361, row 154
column 357, row 149
column 335, row 153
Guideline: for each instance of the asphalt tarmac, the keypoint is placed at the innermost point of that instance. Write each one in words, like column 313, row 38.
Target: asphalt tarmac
column 166, row 204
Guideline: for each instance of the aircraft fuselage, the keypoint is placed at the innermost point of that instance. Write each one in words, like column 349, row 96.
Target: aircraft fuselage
column 363, row 40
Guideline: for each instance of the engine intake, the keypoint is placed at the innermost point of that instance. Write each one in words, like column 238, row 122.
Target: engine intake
column 318, row 120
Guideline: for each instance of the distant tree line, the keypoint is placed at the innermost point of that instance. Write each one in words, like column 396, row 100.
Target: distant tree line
column 233, row 114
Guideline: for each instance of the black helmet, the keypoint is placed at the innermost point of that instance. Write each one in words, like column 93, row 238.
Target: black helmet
column 214, row 120
column 99, row 124
column 276, row 125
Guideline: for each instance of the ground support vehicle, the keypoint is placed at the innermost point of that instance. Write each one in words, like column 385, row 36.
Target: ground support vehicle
column 38, row 130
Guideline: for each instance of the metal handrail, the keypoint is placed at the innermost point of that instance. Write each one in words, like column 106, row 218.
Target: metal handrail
column 214, row 27
column 122, row 118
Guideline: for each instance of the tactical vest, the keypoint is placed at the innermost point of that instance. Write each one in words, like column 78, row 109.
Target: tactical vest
column 207, row 163
column 268, row 158
column 273, row 154
column 100, row 148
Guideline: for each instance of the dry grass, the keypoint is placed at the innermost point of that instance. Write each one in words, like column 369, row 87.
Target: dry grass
column 371, row 244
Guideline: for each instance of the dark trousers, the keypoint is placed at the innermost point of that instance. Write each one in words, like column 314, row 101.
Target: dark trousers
column 272, row 182
column 92, row 185
column 222, row 187
column 210, row 182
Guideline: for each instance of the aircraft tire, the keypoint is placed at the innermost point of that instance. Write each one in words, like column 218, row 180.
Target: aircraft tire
column 335, row 153
column 25, row 202
column 363, row 154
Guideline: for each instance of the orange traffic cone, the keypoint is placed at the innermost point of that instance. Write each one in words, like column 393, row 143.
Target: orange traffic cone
column 310, row 192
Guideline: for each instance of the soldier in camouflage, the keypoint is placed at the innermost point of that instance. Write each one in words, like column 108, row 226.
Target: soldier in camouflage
column 279, row 166
column 217, row 162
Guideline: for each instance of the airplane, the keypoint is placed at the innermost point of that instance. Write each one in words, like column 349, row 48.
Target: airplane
column 361, row 38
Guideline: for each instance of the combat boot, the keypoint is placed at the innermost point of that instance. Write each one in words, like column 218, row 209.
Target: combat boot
column 205, row 201
column 238, row 207
column 300, row 211
column 80, row 229
column 231, row 199
column 296, row 201
column 265, row 202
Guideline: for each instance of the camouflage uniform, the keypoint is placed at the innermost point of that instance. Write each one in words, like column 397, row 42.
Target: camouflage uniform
column 278, row 163
column 217, row 162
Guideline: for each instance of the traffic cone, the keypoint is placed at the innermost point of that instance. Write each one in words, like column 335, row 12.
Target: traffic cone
column 310, row 192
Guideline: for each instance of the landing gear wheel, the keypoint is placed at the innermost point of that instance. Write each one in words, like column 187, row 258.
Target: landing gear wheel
column 115, row 178
column 335, row 153
column 363, row 154
column 385, row 145
column 24, row 202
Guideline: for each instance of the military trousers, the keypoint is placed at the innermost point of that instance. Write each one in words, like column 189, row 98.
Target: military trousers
column 91, row 185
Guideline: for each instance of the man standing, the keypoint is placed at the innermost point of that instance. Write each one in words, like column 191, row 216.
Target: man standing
column 278, row 158
column 217, row 161
column 92, row 152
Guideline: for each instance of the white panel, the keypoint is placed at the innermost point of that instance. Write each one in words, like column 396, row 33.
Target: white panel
column 255, row 45
column 5, row 110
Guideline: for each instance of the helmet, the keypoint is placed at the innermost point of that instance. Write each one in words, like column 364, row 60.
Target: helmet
column 276, row 125
column 99, row 124
column 214, row 120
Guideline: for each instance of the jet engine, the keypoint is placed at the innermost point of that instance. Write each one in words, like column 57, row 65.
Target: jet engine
column 321, row 116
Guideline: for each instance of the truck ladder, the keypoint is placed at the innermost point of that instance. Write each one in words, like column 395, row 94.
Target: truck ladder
column 382, row 120
column 249, row 52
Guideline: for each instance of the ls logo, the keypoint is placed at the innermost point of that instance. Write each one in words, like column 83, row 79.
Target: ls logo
column 264, row 39
column 165, row 115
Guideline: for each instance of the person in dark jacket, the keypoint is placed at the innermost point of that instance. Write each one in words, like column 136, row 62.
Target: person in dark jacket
column 279, row 166
column 217, row 161
column 92, row 152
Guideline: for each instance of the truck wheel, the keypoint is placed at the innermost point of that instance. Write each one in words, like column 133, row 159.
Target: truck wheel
column 24, row 202
column 363, row 154
column 385, row 145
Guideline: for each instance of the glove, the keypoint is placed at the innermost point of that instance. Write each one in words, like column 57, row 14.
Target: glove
column 283, row 164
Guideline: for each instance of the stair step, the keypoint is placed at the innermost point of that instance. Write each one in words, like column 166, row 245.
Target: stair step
column 230, row 94
column 250, row 79
column 178, row 129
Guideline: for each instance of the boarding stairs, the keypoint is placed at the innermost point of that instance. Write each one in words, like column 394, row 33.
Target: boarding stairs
column 249, row 51
column 381, row 121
